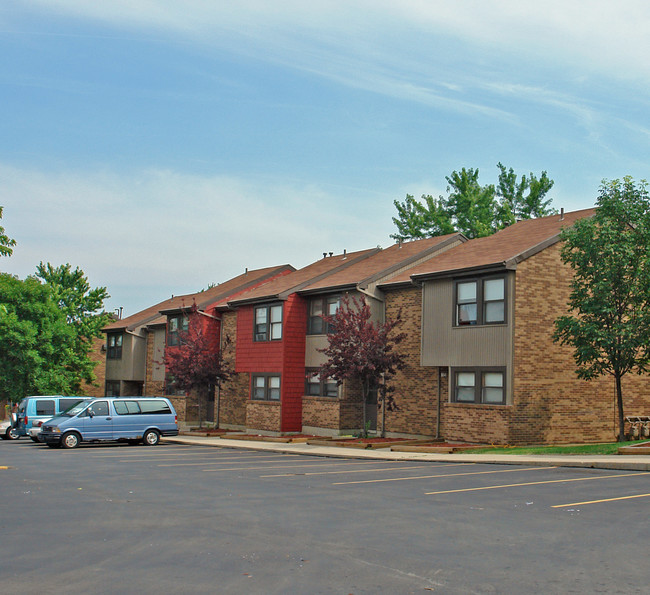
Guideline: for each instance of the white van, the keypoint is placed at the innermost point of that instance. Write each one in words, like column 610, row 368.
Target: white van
column 133, row 419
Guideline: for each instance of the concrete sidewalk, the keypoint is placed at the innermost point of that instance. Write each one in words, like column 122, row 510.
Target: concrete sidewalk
column 624, row 462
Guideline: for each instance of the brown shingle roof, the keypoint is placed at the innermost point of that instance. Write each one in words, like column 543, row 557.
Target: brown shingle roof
column 282, row 287
column 503, row 249
column 381, row 264
column 202, row 299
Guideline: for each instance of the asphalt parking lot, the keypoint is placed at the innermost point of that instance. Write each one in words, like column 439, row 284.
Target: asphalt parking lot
column 184, row 519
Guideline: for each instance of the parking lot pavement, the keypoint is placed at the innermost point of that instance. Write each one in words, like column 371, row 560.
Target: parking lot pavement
column 624, row 462
column 179, row 518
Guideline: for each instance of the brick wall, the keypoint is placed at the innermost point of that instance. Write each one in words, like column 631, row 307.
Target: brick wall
column 551, row 404
column 321, row 412
column 264, row 416
column 234, row 393
column 97, row 355
column 416, row 387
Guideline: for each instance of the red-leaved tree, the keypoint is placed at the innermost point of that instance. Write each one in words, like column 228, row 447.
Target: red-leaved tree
column 361, row 349
column 196, row 363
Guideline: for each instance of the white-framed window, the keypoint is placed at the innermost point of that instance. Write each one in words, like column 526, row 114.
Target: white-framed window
column 114, row 346
column 265, row 387
column 317, row 386
column 268, row 323
column 319, row 308
column 485, row 386
column 480, row 301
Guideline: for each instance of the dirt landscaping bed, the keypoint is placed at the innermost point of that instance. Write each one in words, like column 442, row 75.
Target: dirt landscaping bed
column 364, row 443
column 259, row 438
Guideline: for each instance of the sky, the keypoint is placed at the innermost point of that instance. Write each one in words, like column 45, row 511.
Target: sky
column 163, row 146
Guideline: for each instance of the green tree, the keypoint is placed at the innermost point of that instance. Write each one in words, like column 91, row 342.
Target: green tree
column 471, row 208
column 36, row 343
column 6, row 243
column 608, row 324
column 83, row 309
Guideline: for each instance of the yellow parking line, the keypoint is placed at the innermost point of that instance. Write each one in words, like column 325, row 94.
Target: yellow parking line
column 400, row 468
column 341, row 483
column 532, row 483
column 3, row 467
column 599, row 501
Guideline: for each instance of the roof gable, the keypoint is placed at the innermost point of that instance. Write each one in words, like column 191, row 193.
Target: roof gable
column 504, row 249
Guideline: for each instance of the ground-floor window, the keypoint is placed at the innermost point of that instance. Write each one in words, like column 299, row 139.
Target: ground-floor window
column 265, row 387
column 317, row 386
column 479, row 385
column 112, row 388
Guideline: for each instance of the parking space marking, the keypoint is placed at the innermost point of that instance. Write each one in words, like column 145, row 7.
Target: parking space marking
column 341, row 483
column 225, row 462
column 532, row 483
column 298, row 464
column 401, row 468
column 603, row 500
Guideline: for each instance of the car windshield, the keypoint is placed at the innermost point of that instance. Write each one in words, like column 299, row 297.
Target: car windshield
column 74, row 410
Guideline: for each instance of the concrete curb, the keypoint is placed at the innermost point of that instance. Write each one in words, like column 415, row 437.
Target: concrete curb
column 625, row 463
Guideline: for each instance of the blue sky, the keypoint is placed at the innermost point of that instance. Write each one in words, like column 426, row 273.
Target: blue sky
column 162, row 145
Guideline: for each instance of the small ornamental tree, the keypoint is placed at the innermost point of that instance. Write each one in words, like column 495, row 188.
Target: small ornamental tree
column 608, row 324
column 360, row 349
column 197, row 363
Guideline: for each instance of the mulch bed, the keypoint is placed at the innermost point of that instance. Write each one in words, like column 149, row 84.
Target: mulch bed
column 642, row 448
column 364, row 443
column 281, row 439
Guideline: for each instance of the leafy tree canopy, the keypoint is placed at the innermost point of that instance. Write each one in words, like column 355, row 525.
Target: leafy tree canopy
column 471, row 208
column 37, row 354
column 6, row 243
column 609, row 321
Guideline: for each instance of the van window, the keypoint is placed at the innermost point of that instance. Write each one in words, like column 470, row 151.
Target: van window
column 154, row 407
column 45, row 407
column 99, row 407
column 65, row 404
column 126, row 407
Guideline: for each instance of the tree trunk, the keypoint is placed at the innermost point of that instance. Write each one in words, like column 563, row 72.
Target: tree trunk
column 619, row 406
column 365, row 389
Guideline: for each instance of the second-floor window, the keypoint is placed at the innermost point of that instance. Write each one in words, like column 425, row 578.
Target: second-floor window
column 114, row 348
column 268, row 323
column 318, row 309
column 176, row 324
column 480, row 301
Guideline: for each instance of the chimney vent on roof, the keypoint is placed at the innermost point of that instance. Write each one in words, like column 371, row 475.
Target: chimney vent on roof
column 562, row 214
column 324, row 254
column 331, row 254
column 345, row 252
column 246, row 271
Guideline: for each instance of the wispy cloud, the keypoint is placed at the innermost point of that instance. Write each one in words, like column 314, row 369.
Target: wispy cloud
column 167, row 229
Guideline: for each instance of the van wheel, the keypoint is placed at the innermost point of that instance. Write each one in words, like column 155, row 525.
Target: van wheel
column 151, row 438
column 70, row 440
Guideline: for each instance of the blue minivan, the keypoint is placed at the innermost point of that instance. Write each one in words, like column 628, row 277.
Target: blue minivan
column 134, row 419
